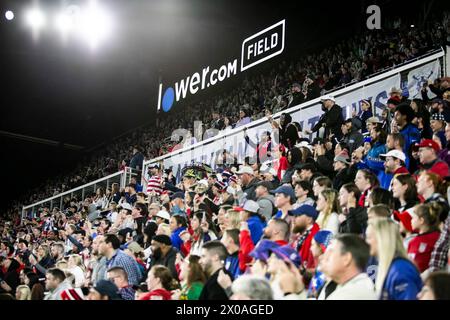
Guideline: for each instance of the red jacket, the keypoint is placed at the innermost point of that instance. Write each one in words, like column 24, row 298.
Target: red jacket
column 246, row 246
column 420, row 248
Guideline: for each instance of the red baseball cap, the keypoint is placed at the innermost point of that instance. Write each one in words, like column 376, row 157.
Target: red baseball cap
column 404, row 217
column 428, row 143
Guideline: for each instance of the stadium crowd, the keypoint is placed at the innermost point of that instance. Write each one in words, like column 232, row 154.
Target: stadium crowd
column 359, row 212
column 289, row 84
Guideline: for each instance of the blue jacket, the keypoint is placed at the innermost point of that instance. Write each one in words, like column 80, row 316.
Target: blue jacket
column 373, row 161
column 232, row 264
column 175, row 238
column 256, row 226
column 411, row 134
column 402, row 282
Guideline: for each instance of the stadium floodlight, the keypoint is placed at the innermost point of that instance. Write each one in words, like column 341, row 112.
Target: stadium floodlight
column 9, row 15
column 68, row 20
column 35, row 18
column 95, row 23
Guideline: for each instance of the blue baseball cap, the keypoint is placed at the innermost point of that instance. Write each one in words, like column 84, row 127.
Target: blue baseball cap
column 323, row 238
column 263, row 249
column 285, row 189
column 287, row 253
column 305, row 209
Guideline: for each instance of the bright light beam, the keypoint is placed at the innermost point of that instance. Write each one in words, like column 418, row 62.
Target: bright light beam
column 96, row 25
column 35, row 19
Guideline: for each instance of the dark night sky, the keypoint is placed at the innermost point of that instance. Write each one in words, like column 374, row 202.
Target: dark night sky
column 73, row 95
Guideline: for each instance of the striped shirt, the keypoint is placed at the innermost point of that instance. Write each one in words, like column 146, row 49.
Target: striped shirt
column 154, row 184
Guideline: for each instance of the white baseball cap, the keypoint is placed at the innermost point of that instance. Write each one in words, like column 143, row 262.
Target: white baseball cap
column 395, row 154
column 327, row 97
column 163, row 214
column 245, row 169
column 126, row 206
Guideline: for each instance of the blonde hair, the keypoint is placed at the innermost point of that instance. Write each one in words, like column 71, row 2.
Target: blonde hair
column 234, row 218
column 78, row 261
column 165, row 229
column 331, row 197
column 390, row 246
column 25, row 292
column 61, row 265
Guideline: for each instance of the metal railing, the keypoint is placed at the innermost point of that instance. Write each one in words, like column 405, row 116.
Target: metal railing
column 122, row 178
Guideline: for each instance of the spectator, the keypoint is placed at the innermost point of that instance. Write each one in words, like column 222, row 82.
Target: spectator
column 192, row 280
column 319, row 245
column 428, row 151
column 119, row 277
column 243, row 118
column 256, row 223
column 109, row 247
column 303, row 193
column 284, row 199
column 163, row 253
column 104, row 290
column 425, row 219
column 248, row 182
column 404, row 115
column 365, row 180
column 329, row 210
column 320, row 184
column 331, row 120
column 304, row 226
column 55, row 284
column 354, row 219
column 230, row 240
column 345, row 260
column 351, row 135
column 397, row 277
column 428, row 184
column 159, row 284
column 436, row 287
column 277, row 230
column 405, row 192
column 249, row 287
column 212, row 261
column 9, row 275
column 344, row 172
column 394, row 164
column 137, row 159
column 265, row 200
column 177, row 226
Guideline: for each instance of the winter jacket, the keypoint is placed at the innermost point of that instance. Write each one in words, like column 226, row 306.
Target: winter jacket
column 402, row 281
column 344, row 176
column 411, row 135
column 373, row 160
column 353, row 139
column 256, row 226
column 333, row 120
column 250, row 189
column 356, row 221
column 266, row 206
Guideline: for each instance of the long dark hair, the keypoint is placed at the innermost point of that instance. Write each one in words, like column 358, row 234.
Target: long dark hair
column 411, row 192
column 196, row 273
column 199, row 215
